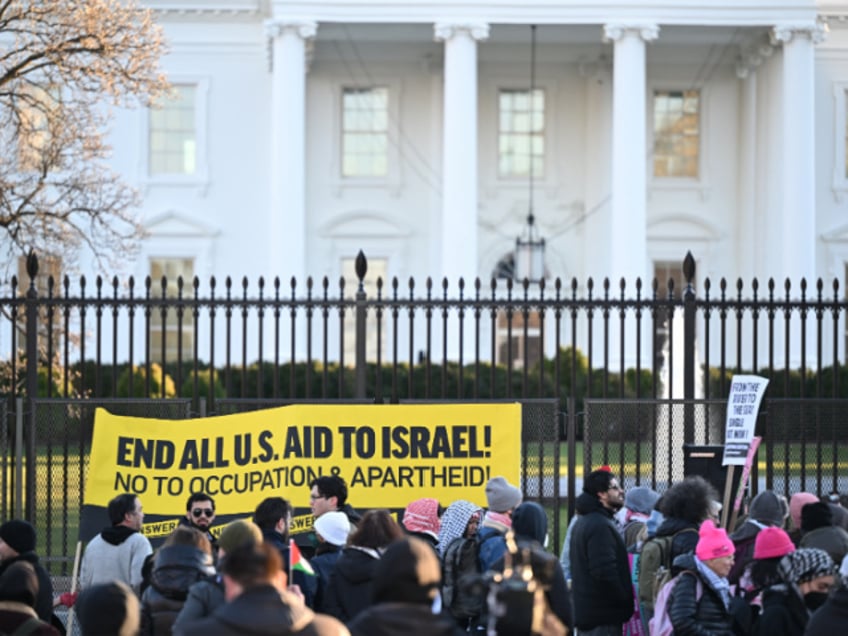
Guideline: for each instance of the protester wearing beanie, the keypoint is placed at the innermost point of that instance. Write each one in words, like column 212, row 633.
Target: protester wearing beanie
column 770, row 546
column 17, row 544
column 796, row 502
column 818, row 531
column 207, row 595
column 18, row 593
column 807, row 575
column 502, row 498
column 639, row 502
column 421, row 520
column 405, row 595
column 832, row 617
column 708, row 569
column 332, row 530
column 766, row 511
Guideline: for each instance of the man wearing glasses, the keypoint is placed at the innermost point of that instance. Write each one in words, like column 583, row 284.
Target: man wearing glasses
column 200, row 513
column 603, row 593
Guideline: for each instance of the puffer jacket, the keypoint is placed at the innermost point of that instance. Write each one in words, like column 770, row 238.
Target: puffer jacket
column 175, row 569
column 691, row 616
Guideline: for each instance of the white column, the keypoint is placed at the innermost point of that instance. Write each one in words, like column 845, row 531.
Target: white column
column 798, row 196
column 748, row 241
column 459, row 150
column 629, row 245
column 287, row 214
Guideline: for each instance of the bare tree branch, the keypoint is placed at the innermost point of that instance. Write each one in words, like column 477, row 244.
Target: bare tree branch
column 59, row 61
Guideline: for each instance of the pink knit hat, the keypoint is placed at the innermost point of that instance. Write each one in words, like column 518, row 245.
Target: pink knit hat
column 772, row 542
column 713, row 542
column 796, row 502
column 422, row 515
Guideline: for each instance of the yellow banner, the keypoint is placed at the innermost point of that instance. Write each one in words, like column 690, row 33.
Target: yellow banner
column 389, row 455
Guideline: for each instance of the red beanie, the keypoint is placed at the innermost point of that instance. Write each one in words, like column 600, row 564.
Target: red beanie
column 713, row 542
column 772, row 542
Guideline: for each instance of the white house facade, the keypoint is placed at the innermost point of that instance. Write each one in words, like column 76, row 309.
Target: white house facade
column 425, row 133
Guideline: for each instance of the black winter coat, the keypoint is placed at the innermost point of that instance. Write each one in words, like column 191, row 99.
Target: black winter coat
column 784, row 612
column 832, row 617
column 685, row 536
column 691, row 616
column 324, row 564
column 600, row 574
column 175, row 569
column 44, row 601
column 349, row 589
column 403, row 619
column 260, row 611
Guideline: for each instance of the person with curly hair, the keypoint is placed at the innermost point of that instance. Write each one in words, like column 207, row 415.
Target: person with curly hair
column 685, row 506
column 349, row 588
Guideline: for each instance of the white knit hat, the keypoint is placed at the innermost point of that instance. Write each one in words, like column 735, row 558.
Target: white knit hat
column 334, row 527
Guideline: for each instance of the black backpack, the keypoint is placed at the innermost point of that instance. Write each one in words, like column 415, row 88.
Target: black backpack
column 461, row 571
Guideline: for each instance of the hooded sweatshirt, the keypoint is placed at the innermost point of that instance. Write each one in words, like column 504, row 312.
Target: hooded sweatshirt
column 116, row 554
column 530, row 524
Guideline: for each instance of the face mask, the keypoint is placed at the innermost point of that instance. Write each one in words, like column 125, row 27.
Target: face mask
column 814, row 600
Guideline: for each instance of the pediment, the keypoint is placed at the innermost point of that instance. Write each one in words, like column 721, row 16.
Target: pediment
column 364, row 224
column 173, row 224
column 681, row 227
column 838, row 234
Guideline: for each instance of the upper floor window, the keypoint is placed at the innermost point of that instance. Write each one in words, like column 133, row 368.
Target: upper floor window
column 521, row 133
column 173, row 134
column 365, row 132
column 38, row 119
column 677, row 133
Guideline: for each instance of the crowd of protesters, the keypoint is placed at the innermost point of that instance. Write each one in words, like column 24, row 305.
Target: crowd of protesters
column 781, row 571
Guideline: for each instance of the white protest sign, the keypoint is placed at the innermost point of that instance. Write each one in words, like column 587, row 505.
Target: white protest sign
column 743, row 404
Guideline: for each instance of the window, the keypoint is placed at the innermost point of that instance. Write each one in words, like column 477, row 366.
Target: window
column 677, row 133
column 38, row 108
column 49, row 317
column 521, row 133
column 512, row 338
column 663, row 272
column 365, row 132
column 377, row 268
column 168, row 329
column 173, row 134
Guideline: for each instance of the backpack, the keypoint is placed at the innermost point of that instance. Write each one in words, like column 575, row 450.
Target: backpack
column 655, row 567
column 660, row 624
column 461, row 569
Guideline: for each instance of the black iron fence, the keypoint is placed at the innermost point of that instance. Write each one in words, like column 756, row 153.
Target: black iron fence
column 647, row 352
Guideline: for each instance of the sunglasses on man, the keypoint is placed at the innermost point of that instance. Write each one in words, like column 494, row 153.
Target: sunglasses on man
column 199, row 512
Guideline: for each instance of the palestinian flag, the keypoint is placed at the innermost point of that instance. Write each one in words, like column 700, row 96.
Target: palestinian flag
column 296, row 560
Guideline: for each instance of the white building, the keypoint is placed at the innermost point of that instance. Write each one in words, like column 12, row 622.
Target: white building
column 308, row 130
